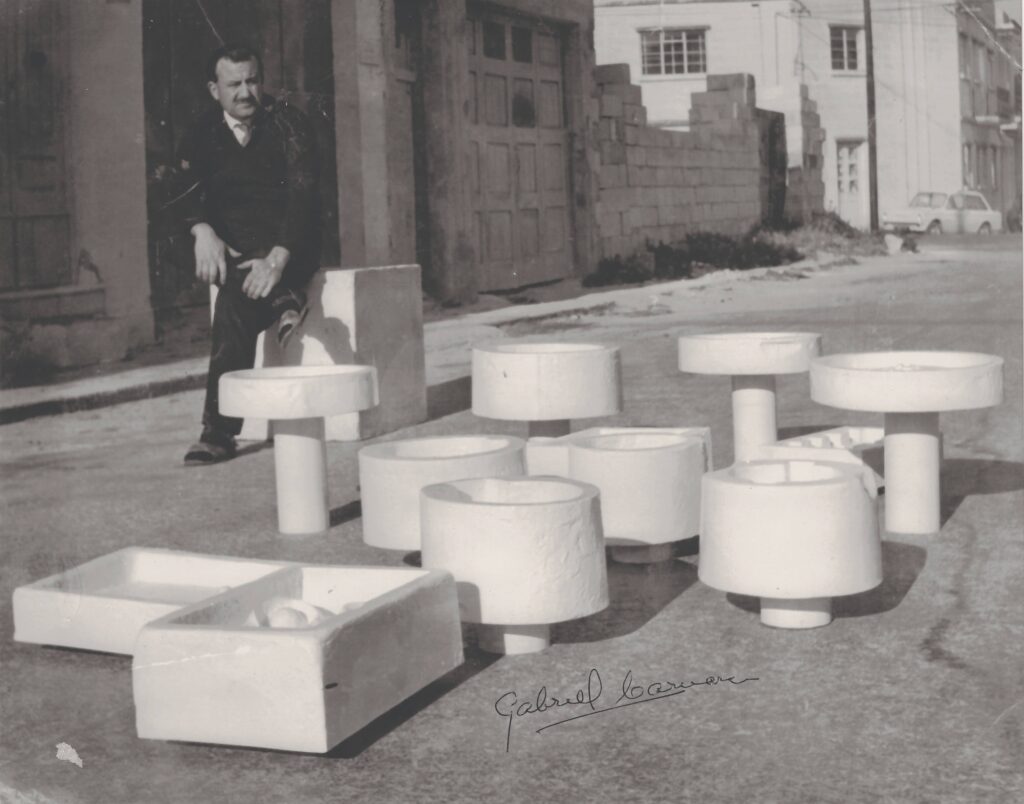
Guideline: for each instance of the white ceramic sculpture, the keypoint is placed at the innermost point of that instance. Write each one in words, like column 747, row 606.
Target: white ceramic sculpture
column 546, row 384
column 392, row 473
column 793, row 533
column 298, row 660
column 752, row 359
column 103, row 604
column 911, row 389
column 649, row 479
column 846, row 444
column 296, row 399
column 525, row 552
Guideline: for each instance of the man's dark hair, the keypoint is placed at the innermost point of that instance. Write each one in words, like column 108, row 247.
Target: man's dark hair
column 236, row 53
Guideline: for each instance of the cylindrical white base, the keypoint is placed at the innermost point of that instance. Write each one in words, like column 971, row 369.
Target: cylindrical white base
column 300, row 466
column 642, row 554
column 912, row 467
column 753, row 414
column 555, row 428
column 812, row 612
column 513, row 639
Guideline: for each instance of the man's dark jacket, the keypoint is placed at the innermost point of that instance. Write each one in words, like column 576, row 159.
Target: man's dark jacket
column 261, row 195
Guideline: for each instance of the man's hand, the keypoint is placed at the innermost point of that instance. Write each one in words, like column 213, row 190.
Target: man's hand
column 265, row 273
column 210, row 264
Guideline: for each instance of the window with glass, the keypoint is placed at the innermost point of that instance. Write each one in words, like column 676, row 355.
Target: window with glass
column 672, row 51
column 844, row 48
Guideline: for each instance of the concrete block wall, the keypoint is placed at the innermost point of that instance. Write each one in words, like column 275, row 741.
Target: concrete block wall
column 659, row 185
column 805, row 137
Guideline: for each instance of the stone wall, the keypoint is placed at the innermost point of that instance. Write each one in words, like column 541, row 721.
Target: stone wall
column 659, row 185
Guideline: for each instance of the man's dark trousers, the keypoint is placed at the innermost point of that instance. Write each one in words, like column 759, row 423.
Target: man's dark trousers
column 237, row 322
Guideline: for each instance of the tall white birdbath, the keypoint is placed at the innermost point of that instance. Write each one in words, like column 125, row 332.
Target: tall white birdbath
column 793, row 533
column 546, row 384
column 525, row 553
column 296, row 399
column 911, row 389
column 752, row 359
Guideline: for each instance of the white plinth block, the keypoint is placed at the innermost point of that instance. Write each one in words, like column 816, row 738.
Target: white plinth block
column 363, row 316
column 793, row 533
column 911, row 388
column 297, row 661
column 524, row 552
column 650, row 487
column 752, row 359
column 391, row 475
column 103, row 604
column 297, row 399
column 546, row 382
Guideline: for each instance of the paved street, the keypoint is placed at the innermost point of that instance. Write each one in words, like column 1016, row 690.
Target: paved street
column 913, row 694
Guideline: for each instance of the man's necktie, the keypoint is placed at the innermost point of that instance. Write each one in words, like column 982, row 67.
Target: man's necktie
column 243, row 133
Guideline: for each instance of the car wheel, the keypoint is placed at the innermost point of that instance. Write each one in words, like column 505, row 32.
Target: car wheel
column 985, row 229
column 934, row 228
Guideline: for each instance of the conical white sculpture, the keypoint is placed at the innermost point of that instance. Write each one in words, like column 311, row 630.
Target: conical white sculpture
column 793, row 533
column 546, row 384
column 525, row 553
column 296, row 399
column 391, row 475
column 911, row 389
column 752, row 359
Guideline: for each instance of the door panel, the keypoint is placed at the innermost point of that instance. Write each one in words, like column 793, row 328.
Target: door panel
column 520, row 183
column 34, row 227
column 849, row 174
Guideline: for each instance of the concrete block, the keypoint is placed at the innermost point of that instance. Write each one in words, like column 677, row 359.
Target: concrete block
column 611, row 74
column 634, row 113
column 298, row 660
column 611, row 106
column 610, row 176
column 630, row 93
column 613, row 153
column 370, row 316
column 636, row 155
column 103, row 604
column 635, row 176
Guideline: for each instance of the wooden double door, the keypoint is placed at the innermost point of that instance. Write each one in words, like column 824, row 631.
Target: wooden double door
column 518, row 149
column 34, row 219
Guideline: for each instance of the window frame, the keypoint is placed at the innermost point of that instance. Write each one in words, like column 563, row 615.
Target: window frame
column 680, row 57
column 848, row 32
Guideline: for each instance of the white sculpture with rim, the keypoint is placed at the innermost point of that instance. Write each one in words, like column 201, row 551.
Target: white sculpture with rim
column 392, row 473
column 296, row 399
column 546, row 384
column 911, row 389
column 793, row 533
column 525, row 553
column 752, row 359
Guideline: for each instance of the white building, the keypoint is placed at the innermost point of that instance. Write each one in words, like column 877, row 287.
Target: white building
column 939, row 78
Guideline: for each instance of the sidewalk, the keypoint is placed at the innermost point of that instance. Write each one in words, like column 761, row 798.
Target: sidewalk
column 448, row 346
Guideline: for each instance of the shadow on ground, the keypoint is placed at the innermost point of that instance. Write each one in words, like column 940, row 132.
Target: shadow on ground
column 964, row 477
column 901, row 564
column 636, row 593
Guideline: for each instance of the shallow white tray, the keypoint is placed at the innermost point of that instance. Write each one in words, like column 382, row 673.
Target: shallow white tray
column 102, row 605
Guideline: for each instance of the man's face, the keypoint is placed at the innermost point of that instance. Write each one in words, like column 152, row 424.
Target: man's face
column 237, row 88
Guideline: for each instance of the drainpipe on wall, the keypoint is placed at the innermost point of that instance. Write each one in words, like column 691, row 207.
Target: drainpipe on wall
column 872, row 150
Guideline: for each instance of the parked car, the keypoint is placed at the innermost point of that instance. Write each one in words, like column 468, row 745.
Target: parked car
column 964, row 211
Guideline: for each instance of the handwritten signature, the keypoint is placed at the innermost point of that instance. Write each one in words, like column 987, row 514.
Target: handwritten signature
column 510, row 707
